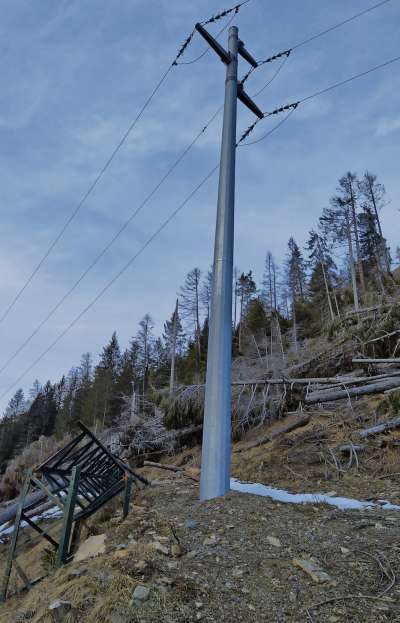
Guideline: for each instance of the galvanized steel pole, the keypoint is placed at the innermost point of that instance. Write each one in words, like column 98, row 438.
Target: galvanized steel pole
column 216, row 451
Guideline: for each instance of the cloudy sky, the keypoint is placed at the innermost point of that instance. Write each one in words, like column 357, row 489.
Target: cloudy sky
column 75, row 73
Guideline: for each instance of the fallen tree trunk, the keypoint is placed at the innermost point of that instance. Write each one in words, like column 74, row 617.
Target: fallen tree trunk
column 297, row 423
column 170, row 468
column 380, row 428
column 9, row 514
column 366, row 360
column 382, row 337
column 371, row 388
column 333, row 381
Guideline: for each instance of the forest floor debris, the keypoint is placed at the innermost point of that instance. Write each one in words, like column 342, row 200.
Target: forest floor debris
column 232, row 558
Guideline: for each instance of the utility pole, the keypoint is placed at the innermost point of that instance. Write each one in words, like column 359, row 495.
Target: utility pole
column 216, row 450
column 173, row 350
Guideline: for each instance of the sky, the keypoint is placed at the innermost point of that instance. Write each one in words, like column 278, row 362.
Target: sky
column 73, row 76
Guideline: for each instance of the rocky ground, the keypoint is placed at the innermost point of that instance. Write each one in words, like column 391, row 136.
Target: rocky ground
column 242, row 557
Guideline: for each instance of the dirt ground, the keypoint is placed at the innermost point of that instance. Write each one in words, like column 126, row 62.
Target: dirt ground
column 232, row 559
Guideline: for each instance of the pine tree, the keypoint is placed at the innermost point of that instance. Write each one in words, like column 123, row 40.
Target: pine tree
column 268, row 293
column 246, row 289
column 295, row 271
column 373, row 200
column 105, row 379
column 189, row 303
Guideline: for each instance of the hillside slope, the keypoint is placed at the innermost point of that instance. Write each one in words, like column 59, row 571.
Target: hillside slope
column 235, row 558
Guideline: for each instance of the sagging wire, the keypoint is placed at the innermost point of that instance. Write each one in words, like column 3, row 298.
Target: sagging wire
column 286, row 54
column 278, row 125
column 219, row 33
column 275, row 75
column 235, row 10
column 292, row 107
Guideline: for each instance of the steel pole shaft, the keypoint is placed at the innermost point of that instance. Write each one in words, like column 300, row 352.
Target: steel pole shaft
column 216, row 450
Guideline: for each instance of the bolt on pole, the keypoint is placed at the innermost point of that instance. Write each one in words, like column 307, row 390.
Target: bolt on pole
column 216, row 450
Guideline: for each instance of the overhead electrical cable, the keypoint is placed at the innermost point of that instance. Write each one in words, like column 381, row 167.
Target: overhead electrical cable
column 294, row 105
column 114, row 279
column 103, row 251
column 108, row 162
column 287, row 52
column 111, row 281
column 340, row 24
column 290, row 107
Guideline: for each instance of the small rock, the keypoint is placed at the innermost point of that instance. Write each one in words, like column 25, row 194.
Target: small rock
column 160, row 548
column 114, row 521
column 251, row 607
column 59, row 610
column 312, row 569
column 210, row 541
column 172, row 564
column 93, row 546
column 191, row 554
column 75, row 573
column 198, row 604
column 121, row 546
column 140, row 565
column 141, row 593
column 237, row 573
column 190, row 524
column 272, row 540
column 344, row 550
column 176, row 550
column 164, row 580
column 120, row 554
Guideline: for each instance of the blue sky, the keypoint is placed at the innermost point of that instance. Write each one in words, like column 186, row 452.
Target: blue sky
column 73, row 76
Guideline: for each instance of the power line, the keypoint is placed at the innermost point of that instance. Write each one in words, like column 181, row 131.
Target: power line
column 291, row 107
column 111, row 282
column 108, row 163
column 117, row 276
column 101, row 254
column 275, row 75
column 219, row 33
column 86, row 195
column 360, row 75
column 316, row 36
column 278, row 125
column 339, row 24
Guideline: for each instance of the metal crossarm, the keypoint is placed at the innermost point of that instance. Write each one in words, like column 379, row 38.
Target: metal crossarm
column 78, row 479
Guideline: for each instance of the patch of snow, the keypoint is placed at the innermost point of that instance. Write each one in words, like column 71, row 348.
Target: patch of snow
column 281, row 495
column 50, row 513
